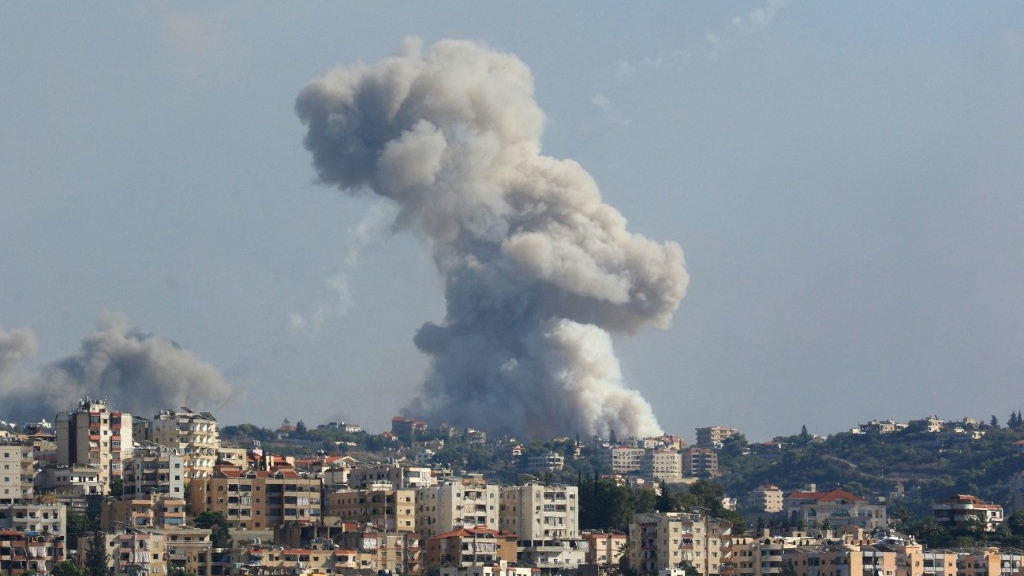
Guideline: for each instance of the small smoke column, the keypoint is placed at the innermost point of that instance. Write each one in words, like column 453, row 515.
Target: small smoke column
column 538, row 270
column 134, row 372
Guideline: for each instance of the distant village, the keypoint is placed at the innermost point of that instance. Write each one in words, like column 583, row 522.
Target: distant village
column 164, row 495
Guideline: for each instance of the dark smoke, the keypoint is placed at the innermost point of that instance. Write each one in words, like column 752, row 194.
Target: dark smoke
column 134, row 372
column 538, row 269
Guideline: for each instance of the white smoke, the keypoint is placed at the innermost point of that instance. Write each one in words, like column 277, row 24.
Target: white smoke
column 538, row 269
column 134, row 372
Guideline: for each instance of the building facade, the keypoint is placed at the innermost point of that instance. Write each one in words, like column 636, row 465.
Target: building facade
column 95, row 436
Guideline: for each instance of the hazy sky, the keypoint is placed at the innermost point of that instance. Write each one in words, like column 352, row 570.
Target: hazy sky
column 846, row 181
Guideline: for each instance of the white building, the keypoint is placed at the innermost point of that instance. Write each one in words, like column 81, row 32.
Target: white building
column 16, row 470
column 195, row 435
column 546, row 518
column 397, row 476
column 457, row 503
column 623, row 459
column 32, row 517
column 70, row 480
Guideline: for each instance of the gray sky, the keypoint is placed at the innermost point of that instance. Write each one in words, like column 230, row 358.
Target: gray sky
column 845, row 180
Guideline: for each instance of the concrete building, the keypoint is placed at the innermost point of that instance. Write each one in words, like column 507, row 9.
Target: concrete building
column 257, row 499
column 663, row 465
column 145, row 512
column 546, row 519
column 963, row 509
column 17, row 470
column 714, row 436
column 700, row 463
column 766, row 498
column 662, row 542
column 604, row 548
column 95, row 436
column 471, row 546
column 457, row 503
column 194, row 434
column 154, row 469
column 549, row 462
column 837, row 506
column 387, row 508
column 398, row 476
column 623, row 459
column 33, row 517
column 69, row 481
column 22, row 553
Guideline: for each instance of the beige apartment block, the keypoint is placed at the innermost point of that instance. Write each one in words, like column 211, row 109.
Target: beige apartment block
column 662, row 542
column 193, row 434
column 257, row 500
column 456, row 503
column 390, row 509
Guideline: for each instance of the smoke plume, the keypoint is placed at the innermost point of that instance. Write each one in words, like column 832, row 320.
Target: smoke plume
column 538, row 270
column 134, row 372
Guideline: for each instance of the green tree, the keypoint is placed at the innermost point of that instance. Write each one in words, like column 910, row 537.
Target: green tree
column 117, row 487
column 220, row 536
column 79, row 524
column 97, row 561
column 68, row 568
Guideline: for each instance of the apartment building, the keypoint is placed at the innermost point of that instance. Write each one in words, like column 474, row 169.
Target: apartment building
column 963, row 509
column 95, row 436
column 623, row 459
column 70, row 481
column 32, row 517
column 700, row 463
column 838, row 506
column 456, row 503
column 664, row 465
column 17, row 470
column 662, row 542
column 398, row 476
column 145, row 512
column 391, row 551
column 546, row 519
column 471, row 546
column 766, row 498
column 387, row 508
column 194, row 434
column 714, row 436
column 155, row 469
column 604, row 548
column 23, row 553
column 257, row 499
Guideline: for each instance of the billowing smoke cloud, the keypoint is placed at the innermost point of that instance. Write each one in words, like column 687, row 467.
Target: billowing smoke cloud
column 538, row 269
column 134, row 372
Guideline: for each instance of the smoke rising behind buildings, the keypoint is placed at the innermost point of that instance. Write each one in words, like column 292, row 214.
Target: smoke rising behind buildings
column 134, row 372
column 538, row 270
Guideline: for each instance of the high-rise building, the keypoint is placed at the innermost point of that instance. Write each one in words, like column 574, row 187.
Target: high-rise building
column 662, row 541
column 194, row 434
column 457, row 503
column 95, row 436
column 16, row 470
column 546, row 517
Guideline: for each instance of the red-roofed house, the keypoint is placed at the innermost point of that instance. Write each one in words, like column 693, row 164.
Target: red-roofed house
column 964, row 509
column 471, row 546
column 838, row 507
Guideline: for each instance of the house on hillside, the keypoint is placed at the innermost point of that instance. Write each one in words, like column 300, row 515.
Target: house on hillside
column 839, row 507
